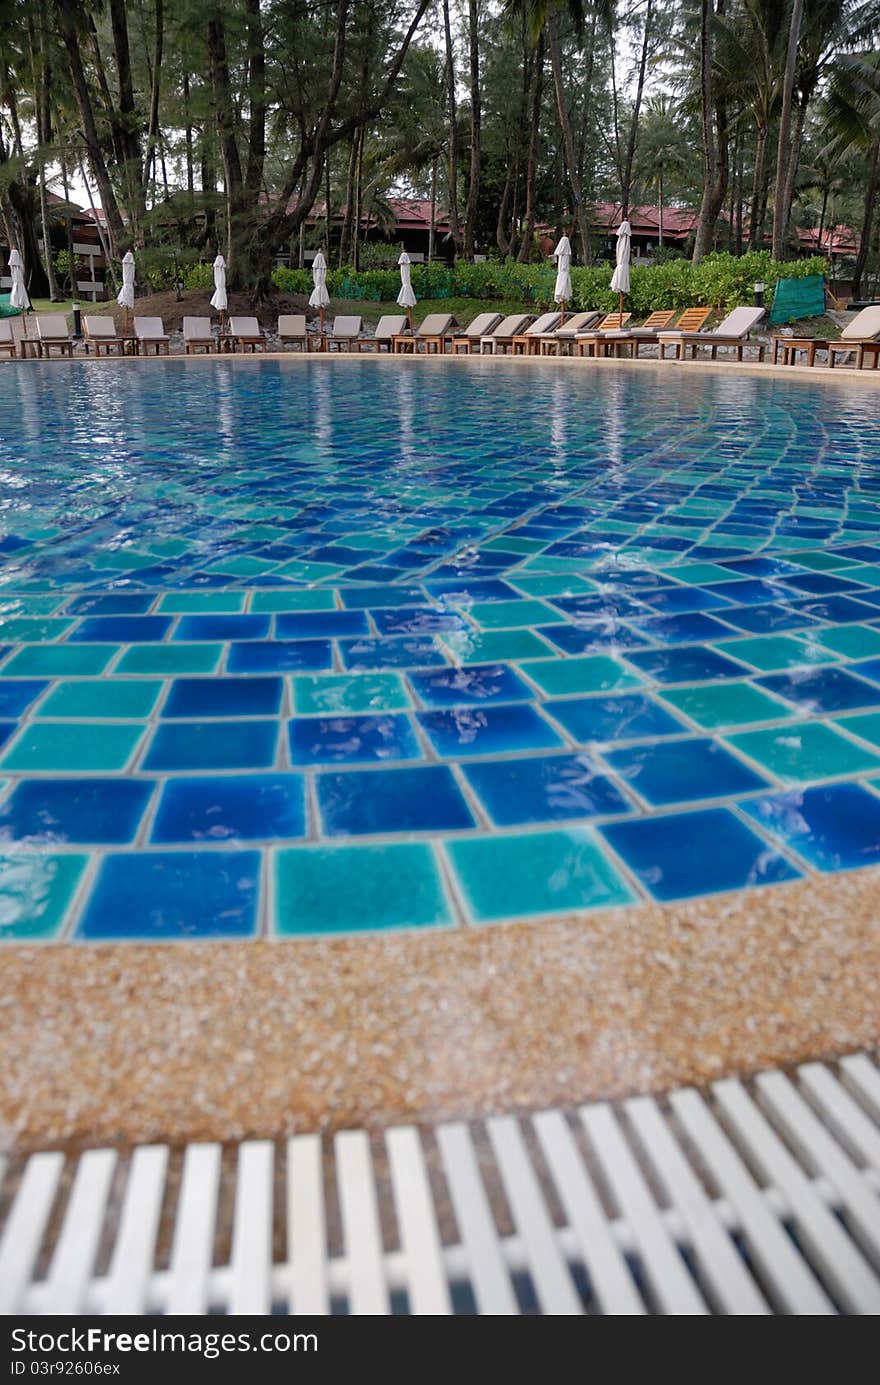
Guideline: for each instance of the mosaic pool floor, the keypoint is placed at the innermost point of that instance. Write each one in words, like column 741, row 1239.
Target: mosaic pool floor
column 309, row 647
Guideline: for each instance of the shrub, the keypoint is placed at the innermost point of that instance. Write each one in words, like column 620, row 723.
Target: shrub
column 199, row 276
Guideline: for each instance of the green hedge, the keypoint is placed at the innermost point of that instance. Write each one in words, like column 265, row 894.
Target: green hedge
column 720, row 282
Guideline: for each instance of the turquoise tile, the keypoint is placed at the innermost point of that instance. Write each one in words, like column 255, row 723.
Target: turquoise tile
column 587, row 674
column 803, row 751
column 209, row 602
column 171, row 658
column 501, row 615
column 280, row 601
column 343, row 694
column 553, row 586
column 510, row 877
column 32, row 629
column 60, row 660
column 374, row 888
column 35, row 894
column 66, row 746
column 123, row 699
column 468, row 647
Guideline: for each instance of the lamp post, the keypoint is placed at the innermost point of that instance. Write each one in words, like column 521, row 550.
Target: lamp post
column 759, row 293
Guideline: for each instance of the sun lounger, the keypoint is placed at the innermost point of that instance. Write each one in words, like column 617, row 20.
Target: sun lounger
column 7, row 337
column 292, row 330
column 246, row 332
column 469, row 339
column 526, row 341
column 101, row 332
column 560, row 341
column 150, row 331
column 197, row 335
column 344, row 332
column 860, row 335
column 388, row 328
column 431, row 335
column 733, row 332
column 508, row 328
column 628, row 340
column 51, row 330
column 595, row 341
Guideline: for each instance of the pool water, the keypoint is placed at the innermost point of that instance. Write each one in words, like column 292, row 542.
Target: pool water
column 293, row 648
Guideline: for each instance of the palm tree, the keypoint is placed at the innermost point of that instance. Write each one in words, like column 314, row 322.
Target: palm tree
column 665, row 150
column 852, row 116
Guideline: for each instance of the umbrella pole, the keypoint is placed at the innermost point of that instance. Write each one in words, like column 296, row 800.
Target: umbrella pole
column 620, row 305
column 562, row 314
column 409, row 315
column 323, row 344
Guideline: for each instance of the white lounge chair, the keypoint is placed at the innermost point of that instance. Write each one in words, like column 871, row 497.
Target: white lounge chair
column 389, row 327
column 557, row 342
column 430, row 334
column 246, row 332
column 197, row 335
column 292, row 330
column 527, row 343
column 150, row 331
column 344, row 332
column 469, row 339
column 52, row 330
column 860, row 335
column 508, row 328
column 733, row 331
column 101, row 332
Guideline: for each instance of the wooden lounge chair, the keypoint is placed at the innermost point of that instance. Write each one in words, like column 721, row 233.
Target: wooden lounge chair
column 150, row 331
column 469, row 338
column 861, row 335
column 246, row 332
column 101, row 332
column 629, row 339
column 292, row 331
column 595, row 342
column 51, row 330
column 733, row 332
column 508, row 328
column 560, row 341
column 526, row 341
column 431, row 335
column 8, row 342
column 388, row 328
column 344, row 332
column 197, row 335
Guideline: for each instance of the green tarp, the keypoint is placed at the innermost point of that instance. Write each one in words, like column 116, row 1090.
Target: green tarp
column 5, row 309
column 796, row 298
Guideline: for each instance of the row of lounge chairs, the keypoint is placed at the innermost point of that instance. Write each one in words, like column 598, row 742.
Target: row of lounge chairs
column 582, row 334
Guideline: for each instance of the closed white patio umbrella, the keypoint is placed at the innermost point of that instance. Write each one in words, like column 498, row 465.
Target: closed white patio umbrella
column 319, row 296
column 125, row 296
column 562, row 291
column 18, row 298
column 406, row 298
column 620, row 277
column 220, row 300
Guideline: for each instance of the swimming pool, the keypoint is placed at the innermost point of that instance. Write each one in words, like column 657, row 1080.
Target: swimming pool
column 293, row 648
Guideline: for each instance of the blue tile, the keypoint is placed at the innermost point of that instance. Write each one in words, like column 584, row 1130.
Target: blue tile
column 683, row 771
column 604, row 606
column 177, row 894
column 306, row 625
column 687, row 628
column 586, row 639
column 213, row 745
column 686, row 664
column 677, row 600
column 629, row 717
column 767, row 620
column 835, row 827
column 462, row 593
column 6, row 730
column 544, row 788
column 220, row 627
column 279, row 656
column 74, row 810
column 822, row 689
column 244, row 807
column 407, row 620
column 487, row 730
column 750, row 593
column 358, row 598
column 17, row 694
column 821, row 583
column 867, row 668
column 120, row 630
column 224, row 697
column 110, row 604
column 391, row 800
column 839, row 610
column 450, row 687
column 684, row 854
column 352, row 740
column 403, row 652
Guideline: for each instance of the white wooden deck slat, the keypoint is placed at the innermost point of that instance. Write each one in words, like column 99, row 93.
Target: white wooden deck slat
column 192, row 1249
column 550, row 1274
column 790, row 1282
column 612, row 1282
column 861, row 1076
column 819, row 1151
column 251, row 1258
column 70, row 1271
column 306, row 1227
column 128, row 1280
column 368, row 1290
column 419, row 1236
column 842, row 1264
column 719, row 1260
column 25, row 1226
column 489, row 1276
column 842, row 1112
column 672, row 1284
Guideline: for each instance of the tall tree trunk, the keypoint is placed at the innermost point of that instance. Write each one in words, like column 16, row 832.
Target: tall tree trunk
column 528, row 233
column 872, row 188
column 476, row 117
column 432, row 229
column 40, row 70
column 453, row 132
column 822, row 215
column 567, row 135
column 783, row 149
column 706, row 223
column 349, row 209
column 660, row 210
column 629, row 160
column 70, row 37
column 755, row 224
column 153, row 127
column 188, row 137
column 794, row 158
column 257, row 83
column 127, row 116
column 358, row 200
column 233, row 178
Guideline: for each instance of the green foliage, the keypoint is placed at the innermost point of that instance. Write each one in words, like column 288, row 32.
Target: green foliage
column 292, row 280
column 199, row 276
